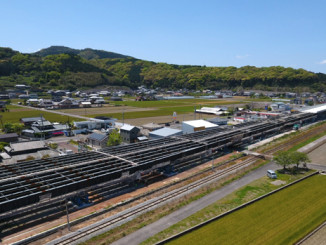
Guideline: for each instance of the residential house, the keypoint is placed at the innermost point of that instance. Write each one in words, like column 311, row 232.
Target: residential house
column 32, row 102
column 28, row 121
column 66, row 103
column 43, row 103
column 97, row 140
column 129, row 133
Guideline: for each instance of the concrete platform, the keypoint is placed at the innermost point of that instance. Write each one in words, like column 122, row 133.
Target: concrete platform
column 263, row 142
column 313, row 145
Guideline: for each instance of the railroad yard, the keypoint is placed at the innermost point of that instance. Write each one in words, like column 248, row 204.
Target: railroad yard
column 111, row 185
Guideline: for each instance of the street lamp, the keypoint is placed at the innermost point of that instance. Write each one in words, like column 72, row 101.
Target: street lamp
column 68, row 223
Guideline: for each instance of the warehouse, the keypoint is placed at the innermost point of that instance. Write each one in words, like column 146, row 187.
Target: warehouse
column 164, row 132
column 196, row 125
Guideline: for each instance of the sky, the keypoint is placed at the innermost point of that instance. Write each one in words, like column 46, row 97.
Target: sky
column 288, row 33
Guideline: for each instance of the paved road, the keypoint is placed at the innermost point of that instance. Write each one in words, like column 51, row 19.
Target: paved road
column 173, row 218
column 55, row 112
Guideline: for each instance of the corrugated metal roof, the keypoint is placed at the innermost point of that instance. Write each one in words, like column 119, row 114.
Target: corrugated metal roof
column 31, row 119
column 164, row 132
column 127, row 127
column 200, row 123
column 97, row 137
column 315, row 109
column 142, row 138
column 4, row 136
column 27, row 146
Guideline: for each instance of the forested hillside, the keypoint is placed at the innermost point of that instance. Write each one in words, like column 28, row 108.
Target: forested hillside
column 64, row 68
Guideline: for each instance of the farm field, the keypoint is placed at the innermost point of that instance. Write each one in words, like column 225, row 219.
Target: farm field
column 162, row 108
column 282, row 218
column 105, row 109
column 16, row 113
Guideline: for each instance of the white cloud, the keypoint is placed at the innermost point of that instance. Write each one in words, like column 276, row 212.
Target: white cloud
column 323, row 62
column 242, row 56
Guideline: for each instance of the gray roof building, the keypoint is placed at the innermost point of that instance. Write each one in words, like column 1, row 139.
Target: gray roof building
column 30, row 120
column 25, row 147
column 96, row 139
column 129, row 133
column 13, row 137
column 164, row 132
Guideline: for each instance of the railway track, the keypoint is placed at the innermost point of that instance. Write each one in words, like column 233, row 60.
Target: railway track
column 154, row 203
column 270, row 151
column 197, row 184
column 298, row 139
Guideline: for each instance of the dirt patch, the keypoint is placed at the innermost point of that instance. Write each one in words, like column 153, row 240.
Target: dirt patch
column 278, row 182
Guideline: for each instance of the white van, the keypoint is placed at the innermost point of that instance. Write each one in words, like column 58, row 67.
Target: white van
column 271, row 174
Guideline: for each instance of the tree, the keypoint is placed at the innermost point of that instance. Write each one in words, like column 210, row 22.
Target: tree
column 17, row 127
column 283, row 159
column 298, row 158
column 2, row 145
column 13, row 127
column 114, row 138
column 8, row 128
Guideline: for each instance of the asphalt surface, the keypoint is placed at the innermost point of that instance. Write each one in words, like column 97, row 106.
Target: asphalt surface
column 173, row 218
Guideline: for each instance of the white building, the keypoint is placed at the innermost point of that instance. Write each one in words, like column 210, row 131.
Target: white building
column 196, row 125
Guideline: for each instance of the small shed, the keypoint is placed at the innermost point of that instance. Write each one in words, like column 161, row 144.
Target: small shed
column 218, row 121
column 164, row 132
column 142, row 138
column 129, row 133
column 9, row 138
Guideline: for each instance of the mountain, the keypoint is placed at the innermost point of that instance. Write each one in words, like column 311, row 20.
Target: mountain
column 61, row 67
column 87, row 53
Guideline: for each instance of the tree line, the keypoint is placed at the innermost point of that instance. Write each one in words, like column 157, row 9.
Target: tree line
column 71, row 71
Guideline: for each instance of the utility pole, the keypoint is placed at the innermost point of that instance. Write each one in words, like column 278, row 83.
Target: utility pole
column 68, row 223
column 123, row 116
column 42, row 132
column 1, row 121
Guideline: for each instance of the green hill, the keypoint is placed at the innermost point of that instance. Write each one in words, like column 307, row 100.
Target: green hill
column 87, row 53
column 60, row 67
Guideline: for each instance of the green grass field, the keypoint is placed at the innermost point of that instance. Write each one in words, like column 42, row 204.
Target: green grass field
column 164, row 107
column 167, row 103
column 282, row 218
column 164, row 111
column 16, row 113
